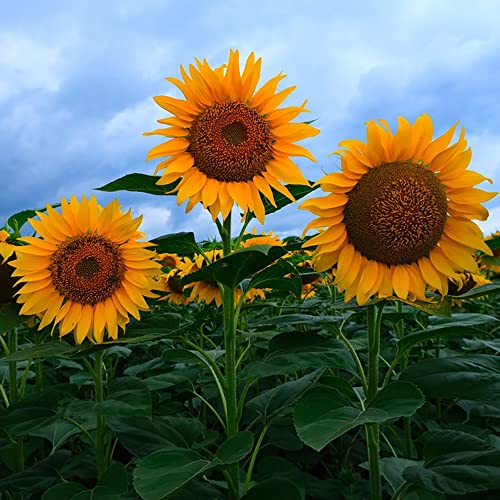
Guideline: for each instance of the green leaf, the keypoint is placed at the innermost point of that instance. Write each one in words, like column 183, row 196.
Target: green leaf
column 461, row 325
column 141, row 436
column 172, row 379
column 57, row 432
column 40, row 477
column 51, row 348
column 235, row 448
column 324, row 413
column 481, row 291
column 458, row 479
column 292, row 351
column 493, row 243
column 166, row 471
column 441, row 307
column 63, row 491
column 17, row 220
column 274, row 488
column 182, row 244
column 297, row 191
column 475, row 377
column 487, row 409
column 127, row 396
column 274, row 277
column 298, row 319
column 392, row 469
column 138, row 182
column 279, row 400
column 234, row 268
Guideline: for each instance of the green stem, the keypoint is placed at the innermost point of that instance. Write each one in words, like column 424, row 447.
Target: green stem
column 230, row 341
column 13, row 392
column 14, row 395
column 101, row 420
column 372, row 430
column 404, row 363
column 254, row 457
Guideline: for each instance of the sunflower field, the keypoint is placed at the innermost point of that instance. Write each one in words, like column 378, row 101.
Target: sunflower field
column 359, row 359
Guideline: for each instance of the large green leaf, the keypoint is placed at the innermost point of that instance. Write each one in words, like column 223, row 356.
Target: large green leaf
column 493, row 243
column 235, row 448
column 234, row 268
column 279, row 400
column 481, row 291
column 475, row 376
column 298, row 319
column 127, row 396
column 138, row 182
column 166, row 471
column 273, row 488
column 456, row 463
column 57, row 432
column 111, row 487
column 325, row 413
column 274, row 277
column 40, row 477
column 182, row 244
column 461, row 325
column 292, row 351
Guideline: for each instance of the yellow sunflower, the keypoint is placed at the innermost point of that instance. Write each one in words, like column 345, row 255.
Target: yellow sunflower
column 87, row 271
column 252, row 239
column 230, row 143
column 170, row 281
column 6, row 249
column 398, row 215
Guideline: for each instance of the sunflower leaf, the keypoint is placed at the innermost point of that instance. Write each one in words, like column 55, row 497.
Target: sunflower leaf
column 141, row 183
column 182, row 244
column 234, row 268
column 297, row 191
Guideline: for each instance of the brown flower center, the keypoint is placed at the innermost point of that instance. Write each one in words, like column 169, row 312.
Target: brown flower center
column 396, row 213
column 230, row 142
column 87, row 268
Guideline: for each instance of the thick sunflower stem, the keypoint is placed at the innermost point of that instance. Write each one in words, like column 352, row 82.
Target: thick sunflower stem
column 230, row 341
column 14, row 395
column 404, row 364
column 372, row 430
column 101, row 421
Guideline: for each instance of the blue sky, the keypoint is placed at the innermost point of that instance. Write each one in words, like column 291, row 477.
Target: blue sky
column 77, row 81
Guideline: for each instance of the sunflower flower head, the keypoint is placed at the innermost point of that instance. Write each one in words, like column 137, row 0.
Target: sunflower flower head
column 87, row 270
column 228, row 142
column 398, row 217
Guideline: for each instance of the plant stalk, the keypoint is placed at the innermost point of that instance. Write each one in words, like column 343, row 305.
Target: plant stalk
column 14, row 395
column 101, row 420
column 230, row 367
column 372, row 430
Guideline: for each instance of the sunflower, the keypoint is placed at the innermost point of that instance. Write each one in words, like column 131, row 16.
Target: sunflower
column 170, row 281
column 463, row 282
column 6, row 249
column 252, row 239
column 230, row 143
column 398, row 216
column 87, row 271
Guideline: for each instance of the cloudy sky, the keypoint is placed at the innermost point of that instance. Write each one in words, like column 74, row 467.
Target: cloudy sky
column 77, row 81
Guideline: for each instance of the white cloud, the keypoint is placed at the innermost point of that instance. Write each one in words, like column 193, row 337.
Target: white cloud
column 157, row 220
column 29, row 63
